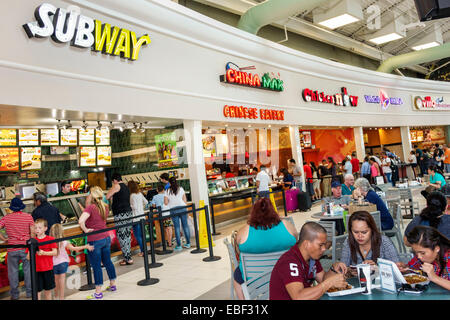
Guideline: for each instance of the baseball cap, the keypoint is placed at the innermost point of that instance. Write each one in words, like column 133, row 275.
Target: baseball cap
column 335, row 184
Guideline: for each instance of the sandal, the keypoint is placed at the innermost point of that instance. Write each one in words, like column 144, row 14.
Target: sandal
column 140, row 254
column 125, row 263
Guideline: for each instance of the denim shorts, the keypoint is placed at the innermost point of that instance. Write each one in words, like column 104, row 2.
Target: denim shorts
column 61, row 268
column 238, row 276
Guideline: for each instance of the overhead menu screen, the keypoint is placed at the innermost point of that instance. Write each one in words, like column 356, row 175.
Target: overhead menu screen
column 69, row 137
column 8, row 137
column 49, row 137
column 103, row 156
column 87, row 156
column 28, row 137
column 86, row 137
column 102, row 137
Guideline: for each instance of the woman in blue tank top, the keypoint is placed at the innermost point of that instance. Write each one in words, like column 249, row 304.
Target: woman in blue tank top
column 264, row 233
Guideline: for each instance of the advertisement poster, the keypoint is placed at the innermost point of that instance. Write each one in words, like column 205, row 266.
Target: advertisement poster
column 8, row 137
column 30, row 158
column 49, row 137
column 59, row 150
column 87, row 137
column 166, row 148
column 209, row 145
column 103, row 156
column 9, row 159
column 28, row 137
column 69, row 137
column 87, row 156
column 102, row 137
column 305, row 139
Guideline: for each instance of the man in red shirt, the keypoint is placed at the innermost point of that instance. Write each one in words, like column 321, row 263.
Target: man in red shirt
column 308, row 179
column 355, row 165
column 19, row 228
column 294, row 273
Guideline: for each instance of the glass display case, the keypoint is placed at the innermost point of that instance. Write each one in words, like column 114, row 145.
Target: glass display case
column 221, row 186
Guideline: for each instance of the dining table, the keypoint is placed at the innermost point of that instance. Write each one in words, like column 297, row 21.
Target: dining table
column 338, row 218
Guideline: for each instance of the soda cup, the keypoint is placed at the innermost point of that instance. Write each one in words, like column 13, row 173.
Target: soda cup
column 365, row 280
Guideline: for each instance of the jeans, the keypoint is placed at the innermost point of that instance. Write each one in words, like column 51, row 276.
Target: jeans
column 299, row 184
column 447, row 167
column 264, row 194
column 176, row 225
column 138, row 235
column 388, row 177
column 13, row 272
column 101, row 254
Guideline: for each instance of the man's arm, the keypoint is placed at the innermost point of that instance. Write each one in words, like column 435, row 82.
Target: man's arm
column 115, row 188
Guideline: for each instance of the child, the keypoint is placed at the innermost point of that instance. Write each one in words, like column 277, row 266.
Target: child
column 61, row 260
column 44, row 260
column 158, row 201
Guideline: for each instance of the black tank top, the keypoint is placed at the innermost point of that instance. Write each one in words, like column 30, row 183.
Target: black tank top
column 121, row 200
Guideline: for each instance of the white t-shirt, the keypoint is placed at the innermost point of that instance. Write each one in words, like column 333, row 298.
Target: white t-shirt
column 348, row 167
column 264, row 181
column 412, row 158
column 387, row 165
column 137, row 203
column 175, row 200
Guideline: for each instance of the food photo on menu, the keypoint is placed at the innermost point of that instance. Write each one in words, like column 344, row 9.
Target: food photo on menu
column 30, row 158
column 9, row 159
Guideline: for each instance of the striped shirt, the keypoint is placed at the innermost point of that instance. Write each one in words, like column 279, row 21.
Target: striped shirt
column 17, row 225
column 416, row 264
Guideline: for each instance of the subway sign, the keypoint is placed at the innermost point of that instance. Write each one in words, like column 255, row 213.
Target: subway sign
column 84, row 32
column 235, row 75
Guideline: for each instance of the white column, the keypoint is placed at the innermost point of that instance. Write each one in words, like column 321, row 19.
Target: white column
column 297, row 150
column 196, row 162
column 359, row 143
column 406, row 147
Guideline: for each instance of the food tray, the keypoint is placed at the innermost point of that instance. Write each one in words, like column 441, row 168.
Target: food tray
column 345, row 292
column 414, row 284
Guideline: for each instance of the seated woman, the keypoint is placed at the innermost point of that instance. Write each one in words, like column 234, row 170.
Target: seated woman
column 365, row 244
column 363, row 188
column 432, row 251
column 265, row 232
column 437, row 181
column 433, row 215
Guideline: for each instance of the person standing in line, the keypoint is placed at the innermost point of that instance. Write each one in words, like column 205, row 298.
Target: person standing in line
column 386, row 165
column 308, row 179
column 19, row 228
column 332, row 169
column 158, row 201
column 137, row 203
column 164, row 177
column 446, row 159
column 262, row 183
column 175, row 199
column 92, row 219
column 374, row 170
column 347, row 166
column 419, row 157
column 120, row 195
column 365, row 169
column 316, row 181
column 355, row 165
column 61, row 260
column 412, row 159
column 326, row 178
column 296, row 172
column 288, row 180
column 44, row 210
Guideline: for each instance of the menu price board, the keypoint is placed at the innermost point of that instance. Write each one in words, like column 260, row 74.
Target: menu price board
column 49, row 137
column 30, row 158
column 86, row 137
column 8, row 137
column 69, row 137
column 87, row 156
column 102, row 137
column 28, row 137
column 104, row 156
column 9, row 159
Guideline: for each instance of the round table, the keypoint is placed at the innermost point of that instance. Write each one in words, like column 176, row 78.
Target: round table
column 321, row 216
column 434, row 292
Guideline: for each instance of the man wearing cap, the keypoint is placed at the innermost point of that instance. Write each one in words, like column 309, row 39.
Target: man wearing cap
column 19, row 228
column 337, row 199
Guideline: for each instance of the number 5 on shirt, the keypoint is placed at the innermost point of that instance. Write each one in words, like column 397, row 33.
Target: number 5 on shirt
column 294, row 269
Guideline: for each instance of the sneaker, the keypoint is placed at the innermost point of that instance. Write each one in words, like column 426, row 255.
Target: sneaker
column 95, row 296
column 187, row 245
column 111, row 288
column 177, row 248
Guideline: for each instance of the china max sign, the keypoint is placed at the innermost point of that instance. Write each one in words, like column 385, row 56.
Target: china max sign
column 84, row 32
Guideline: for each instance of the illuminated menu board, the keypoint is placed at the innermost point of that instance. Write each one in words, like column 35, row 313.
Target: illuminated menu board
column 102, row 137
column 103, row 156
column 69, row 137
column 8, row 137
column 49, row 137
column 30, row 158
column 87, row 156
column 86, row 137
column 9, row 159
column 28, row 137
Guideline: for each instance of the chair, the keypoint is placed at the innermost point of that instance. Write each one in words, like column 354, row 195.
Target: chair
column 257, row 288
column 337, row 242
column 396, row 232
column 254, row 265
column 407, row 203
column 290, row 219
column 233, row 264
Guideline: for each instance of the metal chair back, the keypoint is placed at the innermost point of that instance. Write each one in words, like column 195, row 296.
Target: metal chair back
column 377, row 217
column 233, row 265
column 253, row 265
column 257, row 288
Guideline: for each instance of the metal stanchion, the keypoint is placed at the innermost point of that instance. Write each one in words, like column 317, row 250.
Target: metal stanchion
column 147, row 281
column 284, row 202
column 211, row 205
column 154, row 264
column 197, row 239
column 163, row 236
column 33, row 244
column 89, row 285
column 211, row 254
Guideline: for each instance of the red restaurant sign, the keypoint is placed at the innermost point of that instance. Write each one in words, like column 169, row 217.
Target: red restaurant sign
column 339, row 99
column 252, row 113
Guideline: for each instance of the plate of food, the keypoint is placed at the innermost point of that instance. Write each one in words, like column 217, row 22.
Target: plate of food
column 414, row 278
column 349, row 289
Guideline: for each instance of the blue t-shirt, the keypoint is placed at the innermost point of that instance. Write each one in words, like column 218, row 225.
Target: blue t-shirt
column 167, row 186
column 387, row 222
column 290, row 179
column 438, row 177
column 158, row 200
column 365, row 168
column 347, row 191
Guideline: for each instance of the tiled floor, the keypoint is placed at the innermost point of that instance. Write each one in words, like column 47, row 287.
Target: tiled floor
column 185, row 276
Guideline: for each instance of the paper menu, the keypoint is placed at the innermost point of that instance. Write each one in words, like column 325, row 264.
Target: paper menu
column 104, row 156
column 86, row 137
column 8, row 137
column 102, row 137
column 28, row 137
column 9, row 159
column 30, row 158
column 49, row 137
column 87, row 156
column 69, row 137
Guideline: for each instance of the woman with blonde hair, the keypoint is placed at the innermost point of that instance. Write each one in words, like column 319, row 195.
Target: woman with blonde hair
column 92, row 219
column 61, row 260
